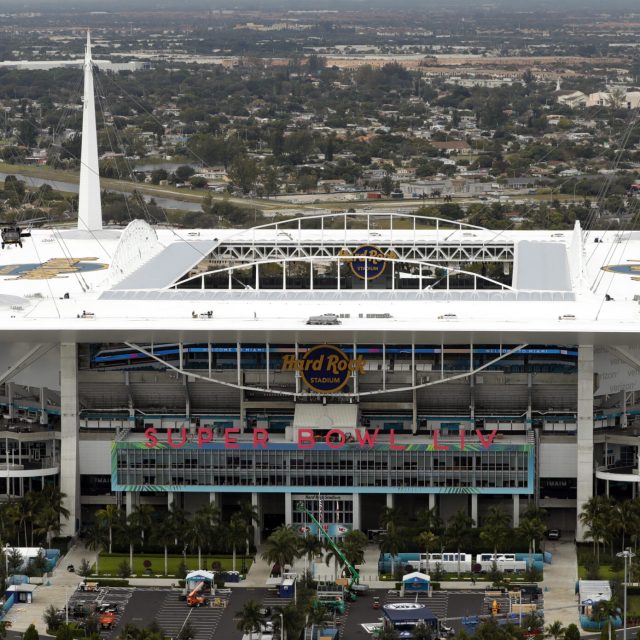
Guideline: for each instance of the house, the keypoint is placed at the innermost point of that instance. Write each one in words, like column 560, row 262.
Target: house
column 453, row 146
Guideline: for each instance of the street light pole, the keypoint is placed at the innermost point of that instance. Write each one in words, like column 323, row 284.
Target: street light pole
column 627, row 554
column 281, row 626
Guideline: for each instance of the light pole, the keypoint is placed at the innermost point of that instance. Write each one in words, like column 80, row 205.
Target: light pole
column 627, row 554
column 281, row 626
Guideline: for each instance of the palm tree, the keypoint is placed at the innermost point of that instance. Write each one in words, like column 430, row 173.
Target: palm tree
column 605, row 610
column 496, row 527
column 391, row 516
column 142, row 516
column 309, row 546
column 198, row 534
column 249, row 515
column 429, row 520
column 353, row 545
column 112, row 516
column 49, row 522
column 293, row 618
column 133, row 534
column 427, row 541
column 532, row 529
column 333, row 555
column 555, row 630
column 96, row 539
column 458, row 531
column 281, row 547
column 594, row 518
column 55, row 499
column 249, row 618
column 391, row 543
column 167, row 535
column 422, row 632
column 234, row 534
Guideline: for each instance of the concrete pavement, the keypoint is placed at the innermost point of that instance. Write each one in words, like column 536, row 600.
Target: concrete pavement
column 560, row 583
column 56, row 590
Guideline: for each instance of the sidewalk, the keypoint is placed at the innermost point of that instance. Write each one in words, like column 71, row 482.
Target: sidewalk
column 56, row 590
column 560, row 583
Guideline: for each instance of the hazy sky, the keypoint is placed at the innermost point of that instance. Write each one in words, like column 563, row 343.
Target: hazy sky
column 114, row 5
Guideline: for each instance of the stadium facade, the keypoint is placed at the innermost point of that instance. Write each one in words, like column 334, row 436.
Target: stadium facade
column 349, row 360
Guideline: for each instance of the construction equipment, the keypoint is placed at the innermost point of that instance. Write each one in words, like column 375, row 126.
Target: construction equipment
column 195, row 600
column 107, row 620
column 355, row 576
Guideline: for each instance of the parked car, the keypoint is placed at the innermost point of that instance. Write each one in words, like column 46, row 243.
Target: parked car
column 325, row 318
column 553, row 534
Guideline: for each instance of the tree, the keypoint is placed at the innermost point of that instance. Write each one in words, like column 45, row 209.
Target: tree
column 281, row 547
column 51, row 618
column 250, row 517
column 572, row 632
column 309, row 546
column 15, row 561
column 353, row 545
column 198, row 534
column 391, row 543
column 457, row 532
column 235, row 535
column 85, row 568
column 249, row 618
column 388, row 633
column 427, row 541
column 124, row 569
column 112, row 516
column 293, row 618
column 594, row 518
column 142, row 518
column 132, row 533
column 243, row 172
column 97, row 538
column 422, row 632
column 31, row 633
column 532, row 529
column 391, row 516
column 496, row 527
column 187, row 632
column 555, row 630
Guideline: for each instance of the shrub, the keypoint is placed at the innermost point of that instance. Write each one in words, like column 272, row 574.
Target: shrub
column 572, row 632
column 182, row 570
column 147, row 564
column 124, row 569
column 85, row 568
column 112, row 582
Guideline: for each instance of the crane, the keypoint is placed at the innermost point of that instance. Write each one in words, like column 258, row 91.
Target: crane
column 355, row 576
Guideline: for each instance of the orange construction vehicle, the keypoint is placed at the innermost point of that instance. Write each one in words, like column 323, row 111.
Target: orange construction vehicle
column 195, row 600
column 107, row 620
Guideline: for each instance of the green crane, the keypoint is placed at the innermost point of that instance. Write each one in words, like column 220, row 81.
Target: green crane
column 355, row 576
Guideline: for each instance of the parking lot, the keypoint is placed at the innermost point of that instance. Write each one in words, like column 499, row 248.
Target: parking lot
column 144, row 606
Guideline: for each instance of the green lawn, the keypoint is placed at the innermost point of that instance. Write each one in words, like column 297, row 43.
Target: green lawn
column 605, row 572
column 108, row 563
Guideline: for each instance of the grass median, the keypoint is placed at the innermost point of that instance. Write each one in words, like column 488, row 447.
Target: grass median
column 109, row 563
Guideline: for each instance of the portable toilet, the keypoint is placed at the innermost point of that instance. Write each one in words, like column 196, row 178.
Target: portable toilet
column 285, row 590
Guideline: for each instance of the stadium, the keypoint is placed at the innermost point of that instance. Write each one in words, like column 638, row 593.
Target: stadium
column 346, row 360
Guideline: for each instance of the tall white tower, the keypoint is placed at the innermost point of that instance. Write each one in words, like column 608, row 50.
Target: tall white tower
column 89, row 205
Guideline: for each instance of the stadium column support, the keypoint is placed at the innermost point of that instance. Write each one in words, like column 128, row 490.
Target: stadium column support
column 288, row 508
column 69, row 478
column 390, row 500
column 474, row 509
column 516, row 510
column 585, row 433
column 255, row 503
column 357, row 525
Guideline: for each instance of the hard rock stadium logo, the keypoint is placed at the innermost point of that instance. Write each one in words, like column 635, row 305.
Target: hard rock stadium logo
column 363, row 261
column 325, row 368
column 54, row 268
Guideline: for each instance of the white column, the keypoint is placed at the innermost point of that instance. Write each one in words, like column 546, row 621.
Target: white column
column 585, row 432
column 432, row 500
column 474, row 509
column 214, row 499
column 288, row 508
column 516, row 510
column 257, row 527
column 390, row 500
column 357, row 524
column 69, row 477
column 129, row 503
column 170, row 499
column 89, row 207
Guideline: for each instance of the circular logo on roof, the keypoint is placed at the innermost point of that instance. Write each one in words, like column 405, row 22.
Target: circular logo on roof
column 368, row 269
column 404, row 606
column 327, row 369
